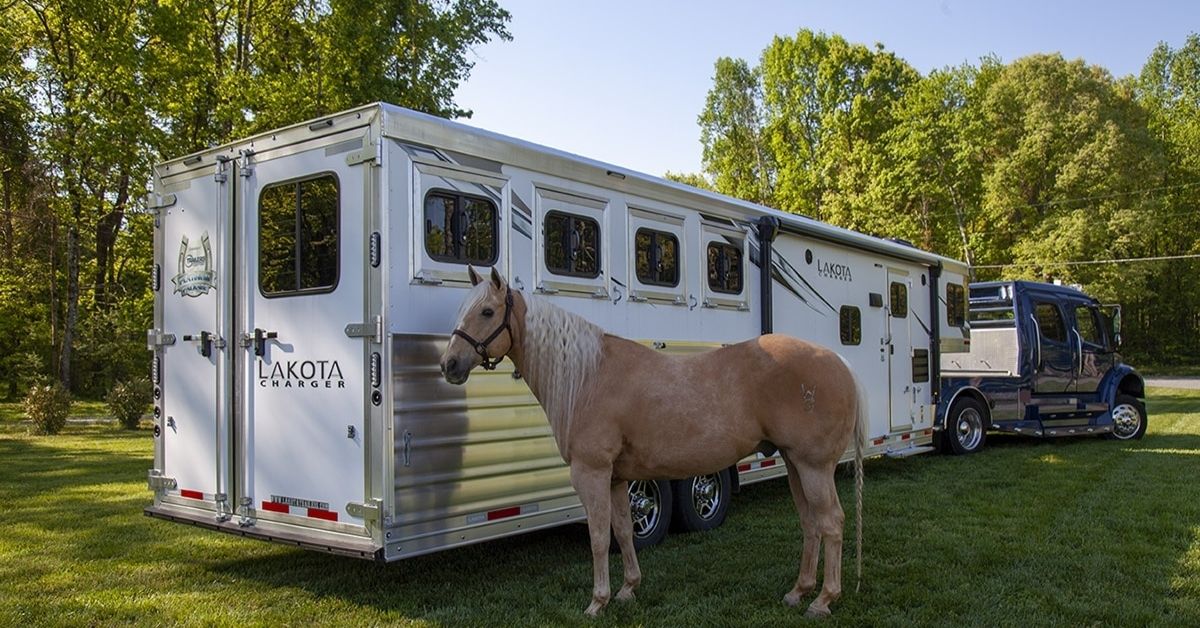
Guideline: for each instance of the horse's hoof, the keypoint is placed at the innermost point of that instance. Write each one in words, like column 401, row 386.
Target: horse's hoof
column 625, row 594
column 593, row 609
column 816, row 613
column 793, row 598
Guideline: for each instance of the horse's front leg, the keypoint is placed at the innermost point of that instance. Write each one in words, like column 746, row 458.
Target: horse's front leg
column 593, row 486
column 622, row 525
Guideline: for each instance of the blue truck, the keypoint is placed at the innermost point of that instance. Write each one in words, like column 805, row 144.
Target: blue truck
column 1042, row 362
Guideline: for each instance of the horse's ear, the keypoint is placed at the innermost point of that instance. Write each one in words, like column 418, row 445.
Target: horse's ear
column 475, row 278
column 497, row 280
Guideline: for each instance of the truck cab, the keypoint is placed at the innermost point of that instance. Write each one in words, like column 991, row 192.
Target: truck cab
column 1042, row 362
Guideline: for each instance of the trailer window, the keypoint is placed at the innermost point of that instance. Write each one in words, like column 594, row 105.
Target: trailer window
column 460, row 229
column 956, row 305
column 1088, row 325
column 298, row 236
column 850, row 324
column 899, row 299
column 724, row 268
column 572, row 244
column 656, row 257
column 1050, row 322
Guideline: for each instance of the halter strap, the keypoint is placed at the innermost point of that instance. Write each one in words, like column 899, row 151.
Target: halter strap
column 490, row 363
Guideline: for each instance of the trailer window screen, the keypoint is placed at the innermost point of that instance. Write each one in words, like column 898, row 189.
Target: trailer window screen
column 956, row 305
column 656, row 257
column 460, row 229
column 572, row 244
column 298, row 236
column 1050, row 322
column 898, row 298
column 850, row 324
column 724, row 268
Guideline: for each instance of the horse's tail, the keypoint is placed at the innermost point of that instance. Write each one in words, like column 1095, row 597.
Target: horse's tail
column 862, row 416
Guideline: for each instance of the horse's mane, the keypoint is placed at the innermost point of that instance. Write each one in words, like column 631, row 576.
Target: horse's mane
column 562, row 350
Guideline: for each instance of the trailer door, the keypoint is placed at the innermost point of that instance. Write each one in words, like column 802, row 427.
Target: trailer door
column 899, row 350
column 300, row 438
column 193, row 372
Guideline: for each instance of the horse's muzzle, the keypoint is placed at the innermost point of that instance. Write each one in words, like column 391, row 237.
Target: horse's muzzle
column 455, row 371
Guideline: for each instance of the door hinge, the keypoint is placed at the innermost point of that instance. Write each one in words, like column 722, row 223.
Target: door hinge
column 372, row 329
column 371, row 152
column 156, row 338
column 370, row 511
column 160, row 483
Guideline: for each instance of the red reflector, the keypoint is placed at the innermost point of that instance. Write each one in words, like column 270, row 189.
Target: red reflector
column 191, row 494
column 317, row 513
column 276, row 507
column 504, row 512
column 769, row 462
column 877, row 441
column 744, row 467
column 905, row 436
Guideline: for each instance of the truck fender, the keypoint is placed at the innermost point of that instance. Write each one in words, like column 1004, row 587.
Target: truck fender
column 969, row 391
column 1122, row 379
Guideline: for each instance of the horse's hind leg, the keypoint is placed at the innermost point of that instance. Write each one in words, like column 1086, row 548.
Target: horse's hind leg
column 821, row 492
column 622, row 526
column 594, row 489
column 807, row 580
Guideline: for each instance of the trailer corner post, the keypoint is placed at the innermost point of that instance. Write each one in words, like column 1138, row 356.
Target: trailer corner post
column 768, row 228
column 935, row 340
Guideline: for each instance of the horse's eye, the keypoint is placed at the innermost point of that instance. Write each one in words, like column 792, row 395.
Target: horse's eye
column 487, row 312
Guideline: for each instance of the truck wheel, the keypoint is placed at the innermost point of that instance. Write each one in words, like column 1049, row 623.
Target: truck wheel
column 650, row 508
column 702, row 502
column 965, row 430
column 1129, row 418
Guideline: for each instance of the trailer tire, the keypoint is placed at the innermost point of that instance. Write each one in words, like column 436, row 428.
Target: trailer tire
column 650, row 505
column 701, row 502
column 966, row 427
column 1129, row 418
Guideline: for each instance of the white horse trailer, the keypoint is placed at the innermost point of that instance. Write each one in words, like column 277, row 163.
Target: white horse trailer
column 306, row 281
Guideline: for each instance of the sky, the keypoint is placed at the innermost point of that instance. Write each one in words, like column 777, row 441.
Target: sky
column 624, row 81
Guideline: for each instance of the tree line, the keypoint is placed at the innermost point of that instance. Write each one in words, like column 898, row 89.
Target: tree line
column 1042, row 168
column 92, row 93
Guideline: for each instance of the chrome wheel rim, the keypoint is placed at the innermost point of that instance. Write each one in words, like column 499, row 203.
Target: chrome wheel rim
column 644, row 499
column 1126, row 421
column 968, row 429
column 707, row 496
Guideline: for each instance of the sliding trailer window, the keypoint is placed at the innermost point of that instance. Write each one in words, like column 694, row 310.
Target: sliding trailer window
column 571, row 241
column 657, row 257
column 898, row 299
column 572, row 245
column 850, row 325
column 460, row 228
column 956, row 305
column 298, row 236
column 724, row 259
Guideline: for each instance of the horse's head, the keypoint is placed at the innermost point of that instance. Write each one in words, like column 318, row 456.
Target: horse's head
column 483, row 333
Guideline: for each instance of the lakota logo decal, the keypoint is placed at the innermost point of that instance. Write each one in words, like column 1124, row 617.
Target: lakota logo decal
column 196, row 276
column 840, row 272
column 301, row 374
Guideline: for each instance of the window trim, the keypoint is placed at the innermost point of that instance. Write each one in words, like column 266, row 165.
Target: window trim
column 654, row 238
column 842, row 312
column 741, row 267
column 337, row 271
column 447, row 192
column 571, row 216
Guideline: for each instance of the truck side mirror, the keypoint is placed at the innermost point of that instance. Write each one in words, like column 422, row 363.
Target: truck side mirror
column 1112, row 315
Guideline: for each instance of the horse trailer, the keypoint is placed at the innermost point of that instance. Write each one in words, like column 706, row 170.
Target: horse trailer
column 306, row 281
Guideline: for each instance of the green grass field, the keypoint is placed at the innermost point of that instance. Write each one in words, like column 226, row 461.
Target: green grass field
column 1058, row 532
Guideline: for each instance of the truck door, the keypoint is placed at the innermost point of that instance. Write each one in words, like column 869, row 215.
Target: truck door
column 300, row 439
column 1093, row 361
column 1054, row 359
column 193, row 374
column 898, row 346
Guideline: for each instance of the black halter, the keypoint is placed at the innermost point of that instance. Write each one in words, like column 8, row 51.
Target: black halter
column 490, row 363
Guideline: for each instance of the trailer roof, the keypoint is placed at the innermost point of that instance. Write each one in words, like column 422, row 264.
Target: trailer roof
column 413, row 126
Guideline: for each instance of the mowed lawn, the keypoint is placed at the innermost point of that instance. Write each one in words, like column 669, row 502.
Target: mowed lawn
column 1061, row 532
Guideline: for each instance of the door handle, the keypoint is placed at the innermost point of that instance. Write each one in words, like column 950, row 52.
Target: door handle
column 260, row 340
column 205, row 339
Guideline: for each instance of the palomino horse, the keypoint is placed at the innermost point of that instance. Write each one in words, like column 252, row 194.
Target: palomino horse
column 621, row 411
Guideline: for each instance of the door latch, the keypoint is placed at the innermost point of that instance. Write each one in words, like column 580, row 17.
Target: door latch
column 206, row 342
column 260, row 340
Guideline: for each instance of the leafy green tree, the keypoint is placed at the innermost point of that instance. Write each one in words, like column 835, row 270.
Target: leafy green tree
column 731, row 132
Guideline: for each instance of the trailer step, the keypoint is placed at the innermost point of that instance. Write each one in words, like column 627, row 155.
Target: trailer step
column 908, row 451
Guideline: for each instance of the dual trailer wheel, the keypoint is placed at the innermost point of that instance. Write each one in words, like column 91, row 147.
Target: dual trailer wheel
column 966, row 425
column 693, row 505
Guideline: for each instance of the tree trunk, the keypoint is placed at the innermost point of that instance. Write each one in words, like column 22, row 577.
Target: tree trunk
column 8, row 223
column 107, row 229
column 68, row 346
